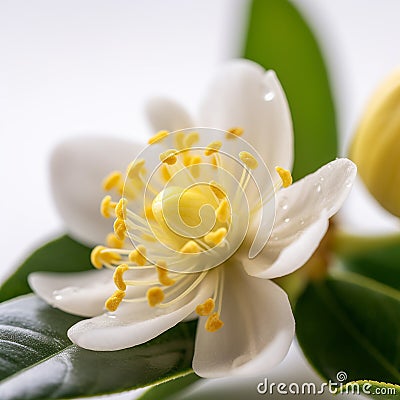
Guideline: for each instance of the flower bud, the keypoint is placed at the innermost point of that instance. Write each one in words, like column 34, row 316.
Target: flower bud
column 376, row 145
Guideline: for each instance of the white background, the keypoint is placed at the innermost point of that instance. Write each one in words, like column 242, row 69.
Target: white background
column 86, row 67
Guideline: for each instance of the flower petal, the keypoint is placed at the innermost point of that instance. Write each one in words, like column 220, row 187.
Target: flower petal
column 243, row 95
column 78, row 167
column 302, row 214
column 81, row 293
column 136, row 323
column 257, row 333
column 167, row 114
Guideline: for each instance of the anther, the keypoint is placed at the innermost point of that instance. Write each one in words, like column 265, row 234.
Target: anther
column 113, row 180
column 107, row 206
column 215, row 237
column 119, row 278
column 114, row 242
column 134, row 168
column 138, row 255
column 120, row 209
column 223, row 211
column 148, row 212
column 206, row 308
column 212, row 148
column 158, row 137
column 194, row 165
column 114, row 301
column 162, row 272
column 190, row 247
column 168, row 157
column 217, row 189
column 155, row 296
column 248, row 159
column 120, row 228
column 285, row 176
column 96, row 258
column 234, row 132
column 190, row 139
column 213, row 323
column 165, row 175
column 179, row 139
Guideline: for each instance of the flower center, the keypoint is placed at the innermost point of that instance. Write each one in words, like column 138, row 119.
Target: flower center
column 182, row 214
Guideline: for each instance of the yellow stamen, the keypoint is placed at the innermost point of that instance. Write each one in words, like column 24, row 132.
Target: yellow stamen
column 194, row 165
column 149, row 238
column 234, row 132
column 138, row 255
column 119, row 278
column 95, row 257
column 223, row 211
column 206, row 308
column 212, row 148
column 120, row 209
column 158, row 137
column 148, row 212
column 99, row 257
column 113, row 241
column 134, row 168
column 155, row 296
column 248, row 159
column 190, row 247
column 179, row 139
column 213, row 323
column 120, row 228
column 215, row 237
column 114, row 301
column 163, row 277
column 168, row 157
column 217, row 189
column 107, row 206
column 113, row 180
column 190, row 139
column 165, row 175
column 285, row 176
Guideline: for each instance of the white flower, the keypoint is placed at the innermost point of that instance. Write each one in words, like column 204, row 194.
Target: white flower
column 246, row 324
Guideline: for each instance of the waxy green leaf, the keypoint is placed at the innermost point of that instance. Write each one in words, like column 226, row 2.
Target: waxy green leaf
column 169, row 390
column 60, row 255
column 351, row 323
column 37, row 360
column 375, row 257
column 278, row 38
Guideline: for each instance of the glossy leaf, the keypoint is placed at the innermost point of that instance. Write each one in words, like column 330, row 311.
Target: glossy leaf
column 351, row 323
column 60, row 255
column 376, row 390
column 169, row 390
column 375, row 257
column 278, row 38
column 37, row 361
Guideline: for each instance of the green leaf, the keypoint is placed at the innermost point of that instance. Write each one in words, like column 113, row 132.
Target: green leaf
column 61, row 255
column 376, row 390
column 37, row 360
column 278, row 38
column 375, row 257
column 351, row 323
column 169, row 390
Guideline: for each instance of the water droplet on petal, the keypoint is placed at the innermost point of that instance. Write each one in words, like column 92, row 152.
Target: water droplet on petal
column 269, row 96
column 58, row 295
column 318, row 188
column 301, row 222
column 286, row 220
